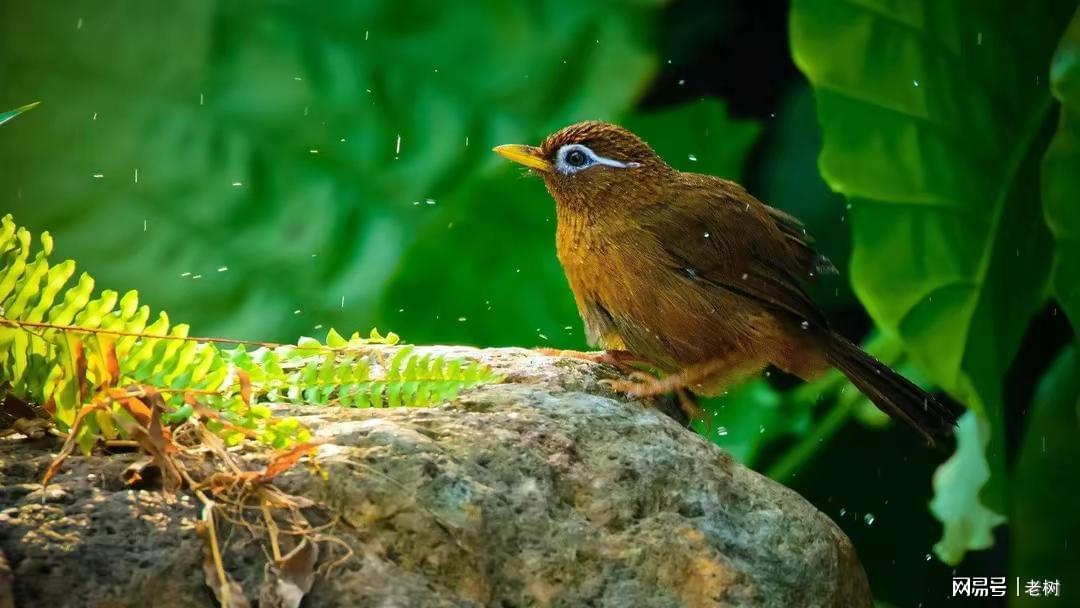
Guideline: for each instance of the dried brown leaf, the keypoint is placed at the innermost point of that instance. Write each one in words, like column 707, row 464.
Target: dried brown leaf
column 287, row 581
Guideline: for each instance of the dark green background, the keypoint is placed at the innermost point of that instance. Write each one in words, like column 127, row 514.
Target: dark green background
column 273, row 200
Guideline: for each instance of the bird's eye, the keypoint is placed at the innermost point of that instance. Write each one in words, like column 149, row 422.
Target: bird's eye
column 575, row 158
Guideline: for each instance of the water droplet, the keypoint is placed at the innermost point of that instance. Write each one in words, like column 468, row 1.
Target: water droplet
column 692, row 157
column 915, row 82
column 843, row 512
column 706, row 235
column 869, row 519
column 805, row 324
column 429, row 201
column 313, row 151
column 761, row 429
column 682, row 82
column 927, row 557
column 462, row 319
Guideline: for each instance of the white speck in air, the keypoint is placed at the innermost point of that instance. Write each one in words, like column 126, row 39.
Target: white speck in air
column 78, row 24
column 869, row 519
column 145, row 225
column 722, row 431
column 296, row 312
column 202, row 99
column 744, row 276
column 185, row 274
column 915, row 82
column 306, row 110
column 682, row 82
column 136, row 176
column 297, row 78
column 462, row 319
column 692, row 157
column 367, row 33
column 805, row 324
column 94, row 117
column 343, row 301
column 223, row 268
column 342, row 140
column 978, row 39
column 397, row 147
column 706, row 235
column 313, row 151
column 238, row 184
column 568, row 328
column 542, row 336
column 196, row 276
column 319, row 326
column 466, row 141
column 429, row 201
column 99, row 175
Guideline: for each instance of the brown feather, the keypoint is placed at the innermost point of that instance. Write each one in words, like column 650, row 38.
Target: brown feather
column 687, row 270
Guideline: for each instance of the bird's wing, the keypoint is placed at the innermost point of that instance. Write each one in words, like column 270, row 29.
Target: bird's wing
column 717, row 235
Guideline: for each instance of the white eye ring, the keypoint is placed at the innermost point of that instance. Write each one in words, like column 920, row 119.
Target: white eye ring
column 564, row 166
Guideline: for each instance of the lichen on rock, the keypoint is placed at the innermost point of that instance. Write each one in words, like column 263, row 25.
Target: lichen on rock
column 546, row 490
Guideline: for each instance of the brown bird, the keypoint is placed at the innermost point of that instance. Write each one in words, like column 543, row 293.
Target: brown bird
column 694, row 276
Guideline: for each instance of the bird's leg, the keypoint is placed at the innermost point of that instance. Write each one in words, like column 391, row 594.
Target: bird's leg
column 695, row 376
column 622, row 360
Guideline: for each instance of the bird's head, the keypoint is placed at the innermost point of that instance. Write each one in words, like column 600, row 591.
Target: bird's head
column 590, row 164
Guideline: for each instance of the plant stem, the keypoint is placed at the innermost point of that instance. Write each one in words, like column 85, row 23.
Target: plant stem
column 803, row 451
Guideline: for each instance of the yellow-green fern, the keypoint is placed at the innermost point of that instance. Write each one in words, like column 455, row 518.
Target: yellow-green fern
column 61, row 347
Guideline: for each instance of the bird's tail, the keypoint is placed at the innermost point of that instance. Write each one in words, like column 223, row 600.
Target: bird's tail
column 892, row 393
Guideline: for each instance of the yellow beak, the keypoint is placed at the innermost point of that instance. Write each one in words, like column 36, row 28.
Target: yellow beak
column 525, row 155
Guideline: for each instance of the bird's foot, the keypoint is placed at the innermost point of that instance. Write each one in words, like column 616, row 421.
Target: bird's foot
column 642, row 385
column 621, row 360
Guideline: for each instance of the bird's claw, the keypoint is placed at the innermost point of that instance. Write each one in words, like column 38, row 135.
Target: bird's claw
column 636, row 384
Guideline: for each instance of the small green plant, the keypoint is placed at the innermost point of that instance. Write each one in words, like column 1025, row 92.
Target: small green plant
column 91, row 361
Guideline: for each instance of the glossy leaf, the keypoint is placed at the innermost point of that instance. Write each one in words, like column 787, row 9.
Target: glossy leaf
column 957, row 484
column 1061, row 179
column 1047, row 471
column 934, row 119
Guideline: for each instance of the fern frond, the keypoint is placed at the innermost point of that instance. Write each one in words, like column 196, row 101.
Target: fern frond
column 62, row 347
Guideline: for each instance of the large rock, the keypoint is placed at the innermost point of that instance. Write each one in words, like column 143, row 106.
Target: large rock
column 544, row 491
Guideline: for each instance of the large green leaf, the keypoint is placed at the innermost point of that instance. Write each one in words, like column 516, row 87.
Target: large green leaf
column 1047, row 472
column 1061, row 179
column 253, row 167
column 935, row 116
column 489, row 253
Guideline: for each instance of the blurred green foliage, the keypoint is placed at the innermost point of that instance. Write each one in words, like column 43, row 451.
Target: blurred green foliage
column 270, row 170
